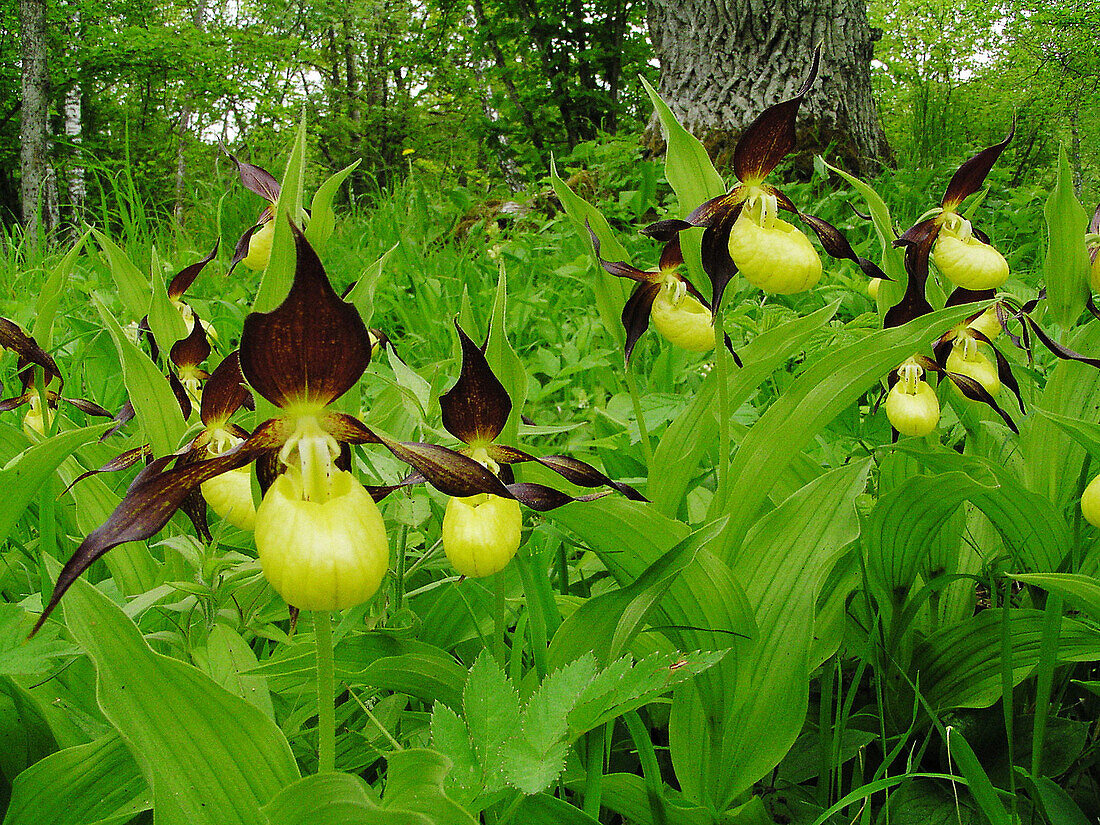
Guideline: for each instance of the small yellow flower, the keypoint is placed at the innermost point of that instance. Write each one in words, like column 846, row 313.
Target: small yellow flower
column 682, row 319
column 912, row 405
column 259, row 247
column 1090, row 502
column 967, row 359
column 230, row 496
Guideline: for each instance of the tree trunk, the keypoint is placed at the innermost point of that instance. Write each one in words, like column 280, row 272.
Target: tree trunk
column 72, row 119
column 32, row 130
column 198, row 20
column 724, row 61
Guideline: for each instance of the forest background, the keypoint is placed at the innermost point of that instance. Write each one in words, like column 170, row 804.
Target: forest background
column 481, row 95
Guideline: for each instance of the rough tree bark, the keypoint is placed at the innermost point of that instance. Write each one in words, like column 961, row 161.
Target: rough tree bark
column 723, row 61
column 33, row 158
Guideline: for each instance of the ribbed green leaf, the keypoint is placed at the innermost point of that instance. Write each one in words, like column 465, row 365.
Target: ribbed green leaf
column 279, row 274
column 782, row 565
column 133, row 287
column 362, row 294
column 209, row 756
column 625, row 794
column 228, row 660
column 165, row 320
column 45, row 308
column 960, row 666
column 155, row 405
column 829, row 385
column 542, row 809
column 893, row 259
column 977, row 779
column 1066, row 266
column 23, row 477
column 1080, row 590
column 505, row 364
column 322, row 218
column 1059, row 807
column 694, row 431
column 80, row 786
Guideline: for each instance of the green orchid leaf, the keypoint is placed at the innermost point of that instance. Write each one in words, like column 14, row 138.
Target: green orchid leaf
column 165, row 321
column 133, row 287
column 322, row 218
column 45, row 308
column 362, row 294
column 1066, row 266
column 279, row 274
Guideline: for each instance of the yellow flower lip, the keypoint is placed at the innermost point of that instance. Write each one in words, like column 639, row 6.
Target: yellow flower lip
column 328, row 555
column 966, row 359
column 913, row 413
column 1090, row 502
column 682, row 319
column 965, row 260
column 481, row 533
column 772, row 254
column 230, row 496
column 259, row 247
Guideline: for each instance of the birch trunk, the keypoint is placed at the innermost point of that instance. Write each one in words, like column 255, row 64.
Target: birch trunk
column 724, row 61
column 32, row 129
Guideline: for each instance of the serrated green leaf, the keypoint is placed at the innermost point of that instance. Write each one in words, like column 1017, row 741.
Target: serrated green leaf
column 209, row 756
column 451, row 738
column 1066, row 266
column 492, row 711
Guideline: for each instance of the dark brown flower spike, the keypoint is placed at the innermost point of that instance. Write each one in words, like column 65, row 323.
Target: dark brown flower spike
column 122, row 461
column 771, row 137
column 312, row 348
column 635, row 316
column 971, row 175
column 569, row 468
column 476, row 408
column 186, row 276
column 240, row 251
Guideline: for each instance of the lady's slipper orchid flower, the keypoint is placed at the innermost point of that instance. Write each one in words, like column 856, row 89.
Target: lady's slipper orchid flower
column 1092, row 244
column 911, row 404
column 678, row 311
column 1090, row 502
column 31, row 355
column 481, row 533
column 961, row 252
column 744, row 232
column 254, row 247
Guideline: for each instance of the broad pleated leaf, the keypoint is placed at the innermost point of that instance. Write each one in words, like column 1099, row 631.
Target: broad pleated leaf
column 1066, row 266
column 208, row 756
column 1080, row 590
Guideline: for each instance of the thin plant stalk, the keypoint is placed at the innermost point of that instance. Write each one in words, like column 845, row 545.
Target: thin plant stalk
column 651, row 771
column 721, row 367
column 326, row 693
column 643, row 431
column 596, row 744
column 498, row 618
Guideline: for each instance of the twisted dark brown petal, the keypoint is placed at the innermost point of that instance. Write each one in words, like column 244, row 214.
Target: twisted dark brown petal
column 13, row 338
column 672, row 255
column 772, row 136
column 145, row 330
column 476, row 408
column 619, row 268
column 155, row 494
column 123, row 417
column 667, row 229
column 1065, row 353
column 14, row 402
column 194, row 505
column 312, row 347
column 715, row 253
column 449, row 472
column 635, row 315
column 973, row 390
column 834, row 242
column 1090, row 305
column 240, row 251
column 182, row 398
column 122, row 461
column 706, row 213
column 1004, row 368
column 917, row 240
column 186, row 276
column 88, row 407
column 224, row 391
column 569, row 468
column 192, row 350
column 961, row 295
column 542, row 498
column 971, row 175
column 256, row 179
column 380, row 491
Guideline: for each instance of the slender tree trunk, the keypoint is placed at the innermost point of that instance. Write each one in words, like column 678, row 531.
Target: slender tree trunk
column 724, row 61
column 33, row 159
column 73, row 127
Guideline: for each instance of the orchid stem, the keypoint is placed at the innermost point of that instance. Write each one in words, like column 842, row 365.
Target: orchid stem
column 498, row 617
column 721, row 366
column 643, row 431
column 596, row 744
column 326, row 693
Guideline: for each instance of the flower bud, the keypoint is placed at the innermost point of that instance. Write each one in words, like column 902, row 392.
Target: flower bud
column 34, row 421
column 682, row 319
column 965, row 359
column 321, row 555
column 774, row 256
column 966, row 261
column 481, row 533
column 1095, row 274
column 912, row 405
column 230, row 496
column 873, row 286
column 1090, row 502
column 259, row 247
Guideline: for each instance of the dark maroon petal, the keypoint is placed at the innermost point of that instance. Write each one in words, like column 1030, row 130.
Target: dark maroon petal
column 917, row 240
column 151, row 500
column 380, row 491
column 772, row 136
column 1094, row 224
column 240, row 251
column 192, row 350
column 710, row 211
column 973, row 390
column 348, row 429
column 13, row 403
column 449, row 472
column 182, row 398
column 1091, row 307
column 186, row 276
column 960, row 296
column 542, row 498
column 13, row 338
column 666, row 230
column 224, row 391
column 1065, row 353
column 971, row 175
column 618, row 268
column 88, row 407
column 123, row 461
column 1004, row 369
column 123, row 417
column 671, row 255
column 256, row 179
column 636, row 314
column 476, row 408
column 715, row 252
column 313, row 347
column 569, row 468
column 145, row 330
column 834, row 242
